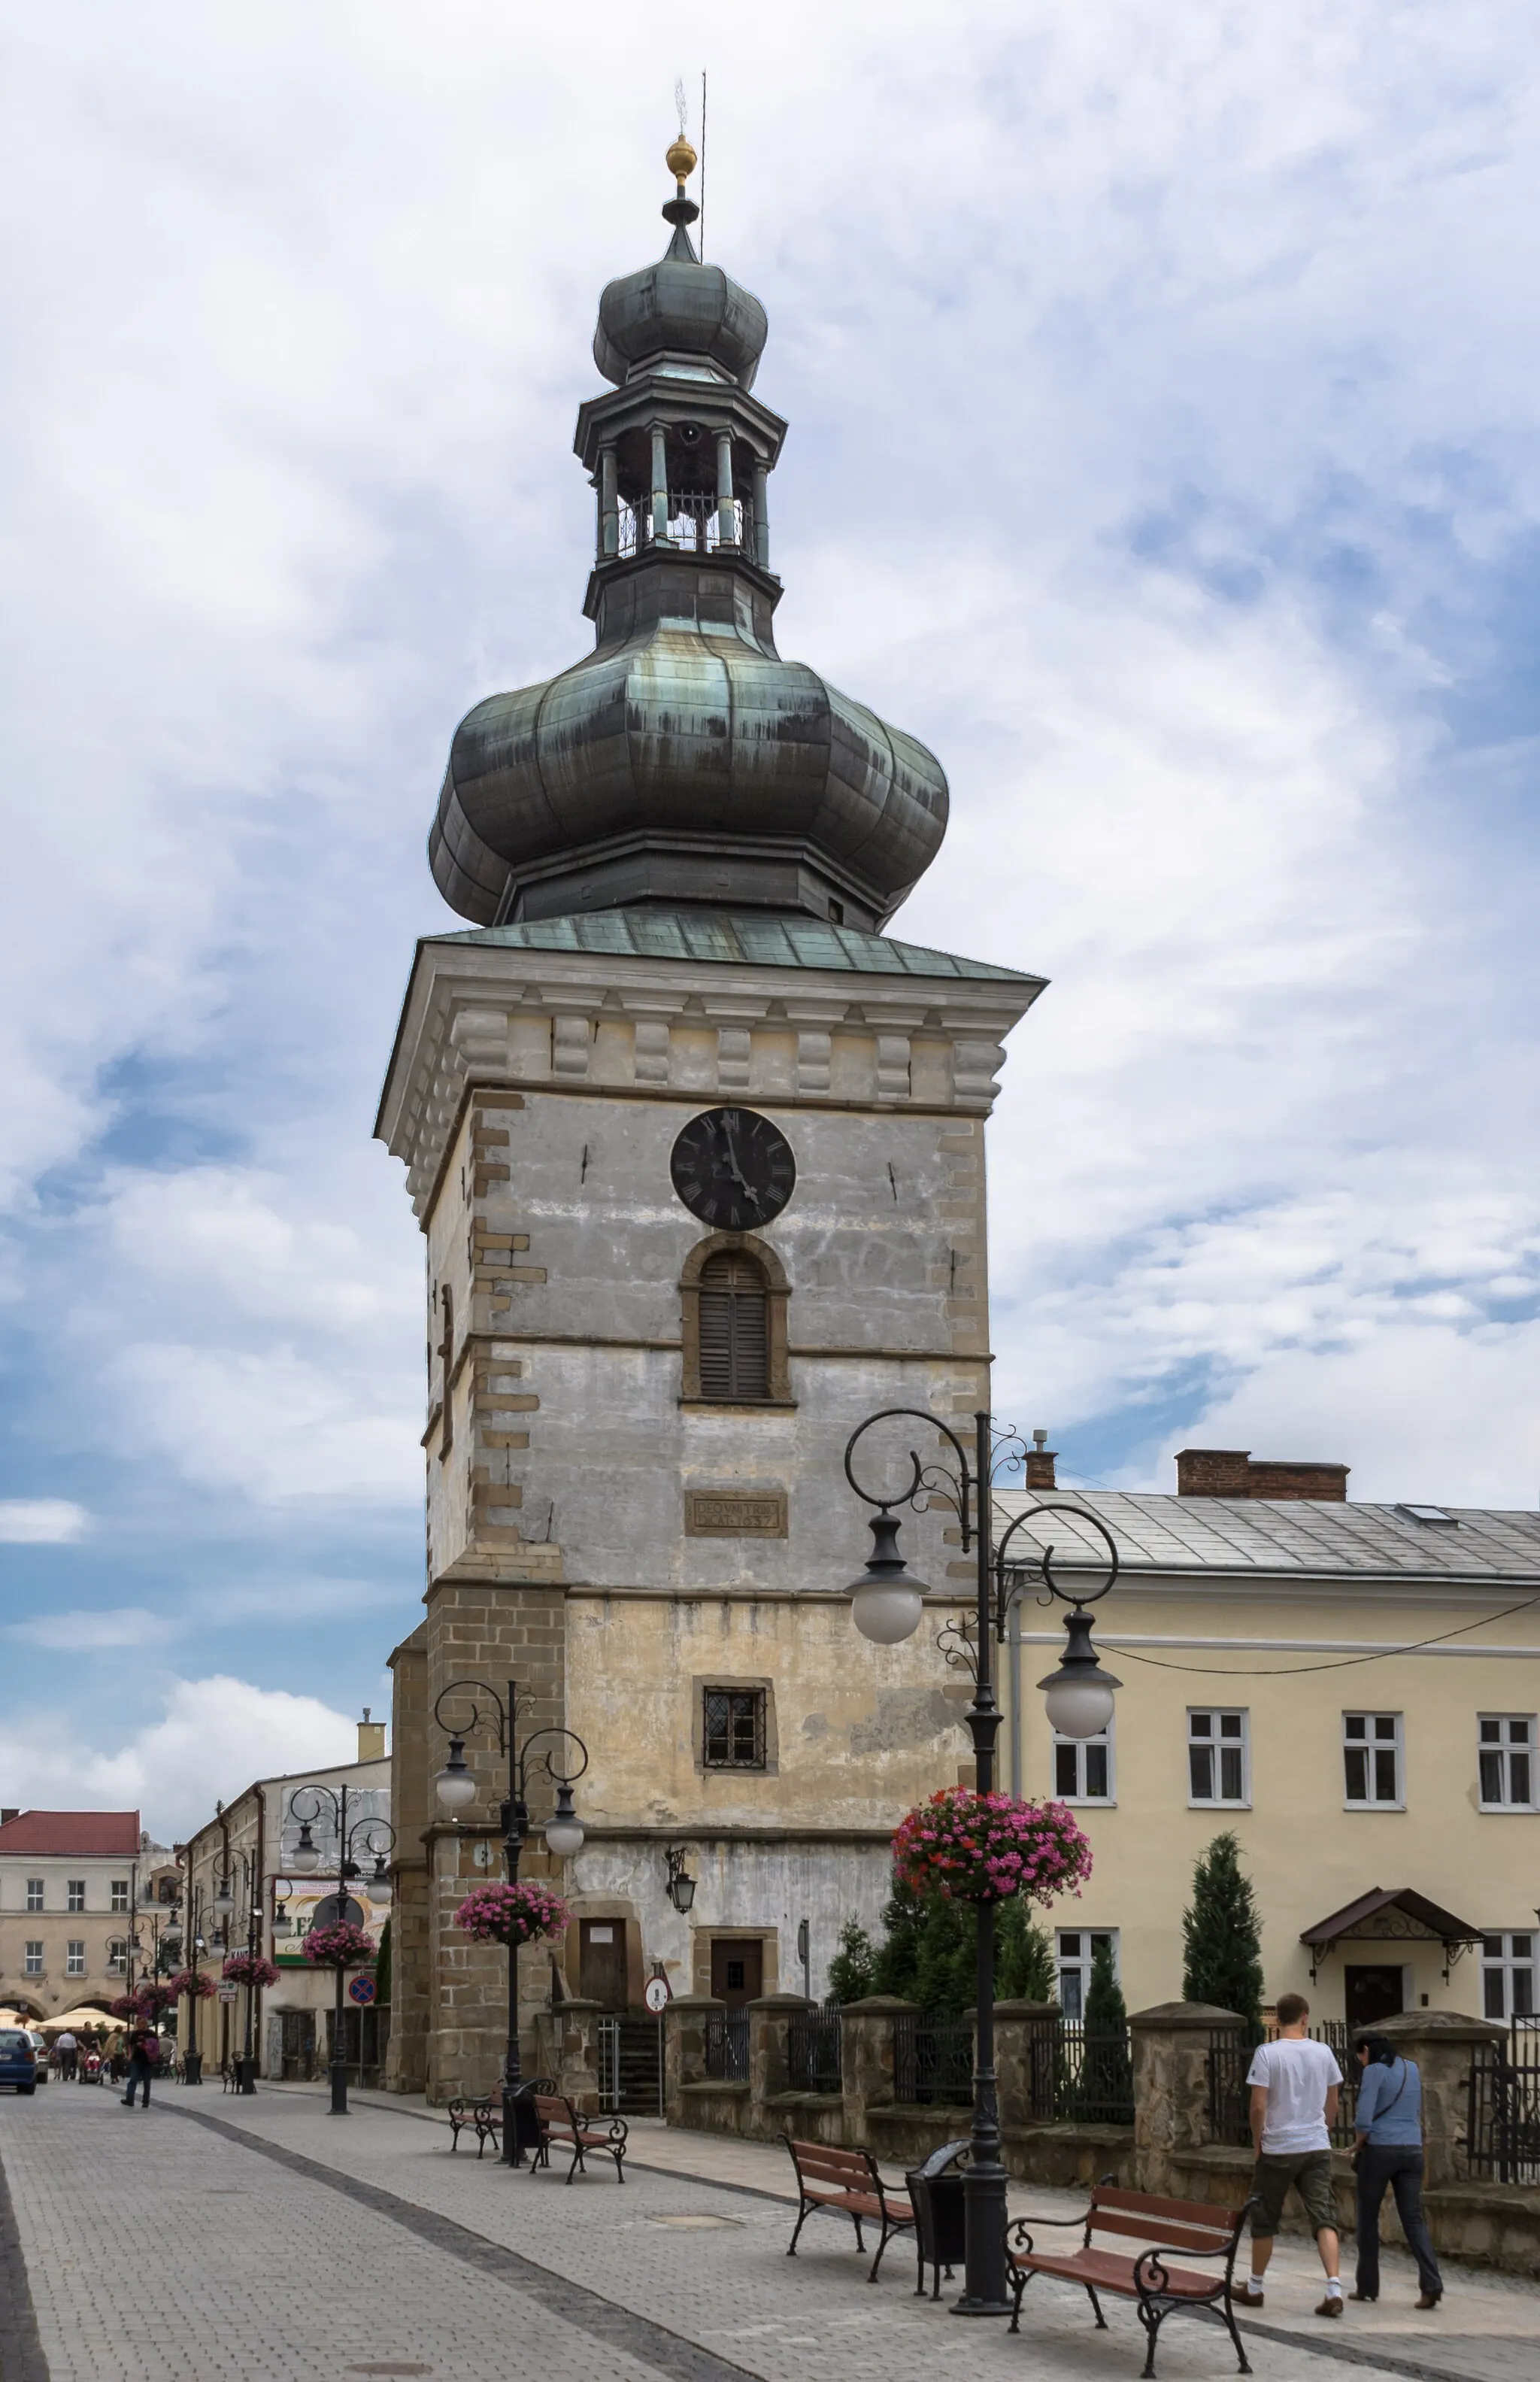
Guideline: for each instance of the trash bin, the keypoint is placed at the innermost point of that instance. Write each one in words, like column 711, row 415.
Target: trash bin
column 935, row 2195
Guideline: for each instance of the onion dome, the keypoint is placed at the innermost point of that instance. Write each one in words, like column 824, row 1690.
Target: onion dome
column 683, row 761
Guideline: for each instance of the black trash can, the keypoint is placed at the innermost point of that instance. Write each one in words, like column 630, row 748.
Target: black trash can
column 935, row 2195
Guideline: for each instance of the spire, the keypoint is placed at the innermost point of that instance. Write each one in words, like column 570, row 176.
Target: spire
column 681, row 160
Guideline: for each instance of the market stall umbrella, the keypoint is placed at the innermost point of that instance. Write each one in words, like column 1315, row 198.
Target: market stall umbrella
column 89, row 2014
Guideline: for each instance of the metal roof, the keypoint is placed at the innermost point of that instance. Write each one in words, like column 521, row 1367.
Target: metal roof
column 1311, row 1537
column 1396, row 1916
column 113, row 1834
column 734, row 938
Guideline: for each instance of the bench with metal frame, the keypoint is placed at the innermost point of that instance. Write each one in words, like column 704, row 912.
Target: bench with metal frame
column 484, row 2115
column 847, row 2183
column 1190, row 2227
column 560, row 2122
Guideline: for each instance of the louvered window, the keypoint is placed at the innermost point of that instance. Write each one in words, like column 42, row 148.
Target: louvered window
column 735, row 1328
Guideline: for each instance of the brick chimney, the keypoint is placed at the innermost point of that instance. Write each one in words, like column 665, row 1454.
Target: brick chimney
column 1233, row 1472
column 1041, row 1459
column 371, row 1737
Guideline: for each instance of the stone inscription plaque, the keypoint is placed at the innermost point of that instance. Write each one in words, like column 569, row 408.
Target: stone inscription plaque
column 715, row 1514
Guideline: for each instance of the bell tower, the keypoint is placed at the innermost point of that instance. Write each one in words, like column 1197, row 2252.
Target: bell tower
column 697, row 1149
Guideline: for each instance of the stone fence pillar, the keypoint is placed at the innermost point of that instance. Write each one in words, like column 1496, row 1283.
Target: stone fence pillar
column 1026, row 2050
column 684, row 2050
column 571, row 2027
column 866, row 2058
column 1171, row 2087
column 1441, row 2042
column 769, row 2063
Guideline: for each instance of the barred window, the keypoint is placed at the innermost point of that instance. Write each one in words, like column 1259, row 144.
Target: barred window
column 733, row 1737
column 735, row 1328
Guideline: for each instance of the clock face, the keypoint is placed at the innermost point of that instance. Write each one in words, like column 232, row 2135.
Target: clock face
column 733, row 1169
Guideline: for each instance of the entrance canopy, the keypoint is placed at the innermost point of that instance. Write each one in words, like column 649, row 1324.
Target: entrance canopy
column 1394, row 1915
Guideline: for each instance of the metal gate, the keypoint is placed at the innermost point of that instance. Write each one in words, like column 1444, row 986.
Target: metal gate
column 609, row 2065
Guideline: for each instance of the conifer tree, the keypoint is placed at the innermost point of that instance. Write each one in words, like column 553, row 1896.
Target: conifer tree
column 898, row 1959
column 1106, row 2085
column 1024, row 1957
column 1223, row 1936
column 852, row 1971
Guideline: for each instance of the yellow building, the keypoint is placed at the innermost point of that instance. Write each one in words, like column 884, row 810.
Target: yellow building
column 1350, row 1689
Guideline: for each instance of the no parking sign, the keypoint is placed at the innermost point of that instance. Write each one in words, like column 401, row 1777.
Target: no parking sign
column 362, row 1991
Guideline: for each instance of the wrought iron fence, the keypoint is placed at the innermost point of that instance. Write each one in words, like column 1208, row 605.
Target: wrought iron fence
column 728, row 2047
column 813, row 2051
column 1230, row 2053
column 694, row 523
column 1502, row 2120
column 1093, row 2080
column 933, row 2058
column 608, row 2033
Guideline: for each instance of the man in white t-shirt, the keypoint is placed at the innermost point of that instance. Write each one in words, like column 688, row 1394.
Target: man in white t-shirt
column 1294, row 2085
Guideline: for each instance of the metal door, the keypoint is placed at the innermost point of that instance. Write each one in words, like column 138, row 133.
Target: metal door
column 1373, row 1994
column 737, row 1971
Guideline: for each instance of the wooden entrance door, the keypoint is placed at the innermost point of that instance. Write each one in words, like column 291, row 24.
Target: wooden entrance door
column 737, row 1971
column 602, row 1961
column 1373, row 1994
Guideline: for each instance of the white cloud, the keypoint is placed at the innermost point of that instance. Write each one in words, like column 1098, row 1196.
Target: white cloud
column 215, row 1736
column 93, row 1632
column 42, row 1521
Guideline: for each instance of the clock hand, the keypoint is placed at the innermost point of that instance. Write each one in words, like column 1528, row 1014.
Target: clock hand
column 745, row 1187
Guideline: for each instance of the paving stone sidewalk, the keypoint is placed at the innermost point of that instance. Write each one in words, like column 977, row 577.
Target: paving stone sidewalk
column 260, row 2238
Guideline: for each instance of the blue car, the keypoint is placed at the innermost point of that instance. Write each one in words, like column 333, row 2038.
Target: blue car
column 18, row 2059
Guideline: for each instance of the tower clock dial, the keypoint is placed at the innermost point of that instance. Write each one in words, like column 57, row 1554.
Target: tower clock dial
column 733, row 1169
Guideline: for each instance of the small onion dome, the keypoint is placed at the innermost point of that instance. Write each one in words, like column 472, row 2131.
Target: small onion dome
column 680, row 306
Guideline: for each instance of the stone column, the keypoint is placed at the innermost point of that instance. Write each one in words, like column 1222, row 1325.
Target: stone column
column 610, row 507
column 684, row 2050
column 769, row 2061
column 1026, row 2038
column 1170, row 2085
column 573, row 2028
column 866, row 2058
column 1441, row 2042
column 762, row 516
column 660, row 486
column 727, row 511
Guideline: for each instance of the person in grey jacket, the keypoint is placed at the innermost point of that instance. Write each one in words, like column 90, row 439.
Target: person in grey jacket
column 1387, row 2149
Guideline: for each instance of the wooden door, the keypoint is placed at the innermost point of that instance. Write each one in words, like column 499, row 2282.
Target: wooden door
column 737, row 1971
column 602, row 1961
column 1373, row 1994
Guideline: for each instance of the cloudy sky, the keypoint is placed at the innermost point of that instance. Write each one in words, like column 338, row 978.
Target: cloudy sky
column 1163, row 452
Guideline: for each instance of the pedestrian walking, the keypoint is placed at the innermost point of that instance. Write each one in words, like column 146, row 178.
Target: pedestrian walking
column 143, row 2050
column 1294, row 2086
column 69, row 2050
column 1388, row 2150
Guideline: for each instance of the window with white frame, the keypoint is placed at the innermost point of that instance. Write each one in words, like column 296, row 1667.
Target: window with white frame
column 1507, row 1975
column 1218, row 1769
column 31, row 1962
column 1504, row 1758
column 1083, row 1768
column 1371, row 1761
column 120, row 1894
column 1076, row 1950
column 117, row 1956
column 75, row 1956
column 74, row 1894
column 35, row 1894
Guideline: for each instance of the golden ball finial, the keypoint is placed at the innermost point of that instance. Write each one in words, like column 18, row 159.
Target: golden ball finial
column 680, row 158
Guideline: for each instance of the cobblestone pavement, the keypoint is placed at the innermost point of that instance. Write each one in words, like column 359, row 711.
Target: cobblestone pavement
column 254, row 2238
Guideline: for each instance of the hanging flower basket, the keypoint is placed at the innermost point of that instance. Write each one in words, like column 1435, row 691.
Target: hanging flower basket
column 975, row 1847
column 149, row 2002
column 342, row 1947
column 190, row 1981
column 250, row 1969
column 513, row 1914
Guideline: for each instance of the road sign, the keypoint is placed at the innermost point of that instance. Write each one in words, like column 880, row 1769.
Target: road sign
column 656, row 1995
column 228, row 1993
column 362, row 1991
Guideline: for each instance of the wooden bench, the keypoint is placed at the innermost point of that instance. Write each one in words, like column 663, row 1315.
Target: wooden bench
column 1189, row 2226
column 560, row 2122
column 847, row 2183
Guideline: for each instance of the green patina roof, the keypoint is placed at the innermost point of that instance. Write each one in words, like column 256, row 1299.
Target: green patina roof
column 760, row 940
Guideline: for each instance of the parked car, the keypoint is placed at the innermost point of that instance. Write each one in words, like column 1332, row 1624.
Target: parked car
column 40, row 2044
column 18, row 2059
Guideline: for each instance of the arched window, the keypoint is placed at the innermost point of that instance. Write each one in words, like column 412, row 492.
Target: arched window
column 735, row 1328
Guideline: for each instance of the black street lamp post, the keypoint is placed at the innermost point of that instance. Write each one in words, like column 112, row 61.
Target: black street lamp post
column 564, row 1833
column 887, row 1604
column 192, row 1944
column 367, row 1834
column 228, row 1869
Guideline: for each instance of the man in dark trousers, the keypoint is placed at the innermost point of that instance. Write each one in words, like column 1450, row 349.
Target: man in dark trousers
column 143, row 2052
